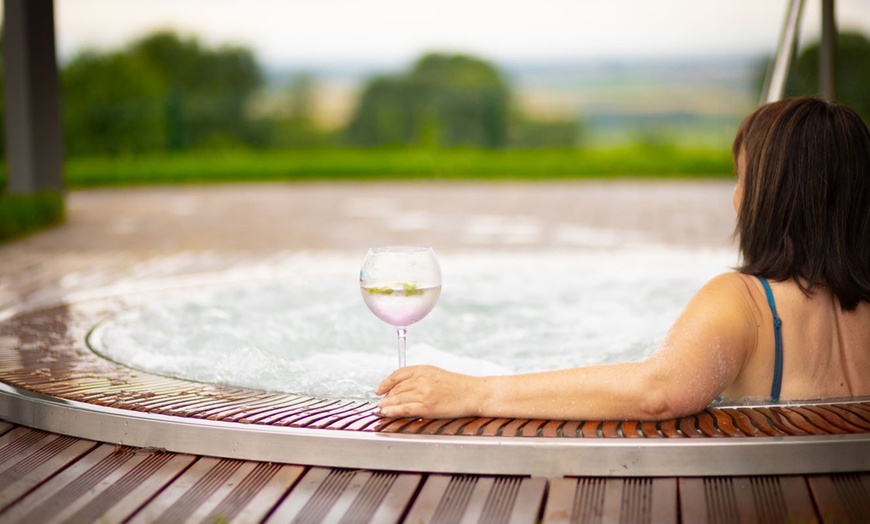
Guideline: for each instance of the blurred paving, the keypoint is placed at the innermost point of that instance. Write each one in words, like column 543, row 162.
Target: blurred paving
column 136, row 234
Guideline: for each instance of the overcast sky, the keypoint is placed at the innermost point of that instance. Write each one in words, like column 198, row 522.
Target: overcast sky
column 311, row 32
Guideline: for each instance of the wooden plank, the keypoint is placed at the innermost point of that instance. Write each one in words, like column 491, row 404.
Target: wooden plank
column 371, row 496
column 472, row 512
column 851, row 416
column 528, row 501
column 762, row 423
column 455, row 426
column 532, row 428
column 726, row 424
column 841, row 498
column 589, row 429
column 631, row 429
column 707, row 425
column 443, row 497
column 351, row 493
column 797, row 501
column 640, row 500
column 35, row 464
column 429, row 497
column 818, row 423
column 180, row 499
column 313, row 496
column 475, row 427
column 559, row 507
column 843, row 419
column 68, row 491
column 251, row 499
column 514, row 427
column 217, row 501
column 745, row 499
column 395, row 503
column 688, row 426
column 569, row 429
column 611, row 429
column 262, row 502
column 5, row 426
column 116, row 499
column 589, row 500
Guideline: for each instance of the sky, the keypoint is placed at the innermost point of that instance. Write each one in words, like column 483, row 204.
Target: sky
column 294, row 33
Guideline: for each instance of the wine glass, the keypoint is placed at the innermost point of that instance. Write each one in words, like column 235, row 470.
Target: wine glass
column 400, row 285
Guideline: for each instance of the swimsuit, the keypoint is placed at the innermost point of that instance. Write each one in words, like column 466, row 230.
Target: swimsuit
column 777, row 335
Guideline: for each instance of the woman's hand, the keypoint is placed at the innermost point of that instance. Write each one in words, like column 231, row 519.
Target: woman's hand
column 430, row 392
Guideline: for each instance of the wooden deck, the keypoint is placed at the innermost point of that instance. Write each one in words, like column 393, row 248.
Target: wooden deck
column 46, row 477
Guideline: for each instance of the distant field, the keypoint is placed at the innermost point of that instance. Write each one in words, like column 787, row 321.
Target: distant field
column 397, row 164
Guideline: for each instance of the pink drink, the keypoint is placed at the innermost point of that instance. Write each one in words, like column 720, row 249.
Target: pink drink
column 400, row 305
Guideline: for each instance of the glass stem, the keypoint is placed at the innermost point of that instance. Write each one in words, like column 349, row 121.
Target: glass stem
column 403, row 342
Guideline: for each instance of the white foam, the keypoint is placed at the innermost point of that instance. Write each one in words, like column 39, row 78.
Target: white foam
column 308, row 331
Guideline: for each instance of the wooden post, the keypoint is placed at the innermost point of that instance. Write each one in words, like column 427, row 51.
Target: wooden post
column 34, row 143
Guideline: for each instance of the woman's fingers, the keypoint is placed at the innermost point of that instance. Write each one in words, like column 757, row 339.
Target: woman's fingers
column 392, row 379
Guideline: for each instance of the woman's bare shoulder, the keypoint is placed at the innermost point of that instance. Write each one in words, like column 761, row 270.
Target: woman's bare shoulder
column 732, row 288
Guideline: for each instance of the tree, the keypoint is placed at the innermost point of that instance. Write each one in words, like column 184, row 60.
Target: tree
column 112, row 105
column 161, row 93
column 852, row 78
column 205, row 89
column 444, row 100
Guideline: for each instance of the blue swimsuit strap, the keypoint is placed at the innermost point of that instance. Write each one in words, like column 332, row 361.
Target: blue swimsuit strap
column 777, row 335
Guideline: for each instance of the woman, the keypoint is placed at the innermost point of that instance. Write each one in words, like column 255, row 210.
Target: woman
column 792, row 323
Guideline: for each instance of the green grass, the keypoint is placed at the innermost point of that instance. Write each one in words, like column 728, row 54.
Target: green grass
column 22, row 214
column 396, row 164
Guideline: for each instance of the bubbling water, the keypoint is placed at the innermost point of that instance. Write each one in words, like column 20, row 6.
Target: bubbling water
column 308, row 331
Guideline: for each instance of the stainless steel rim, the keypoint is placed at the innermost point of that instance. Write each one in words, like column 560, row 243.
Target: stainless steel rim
column 547, row 457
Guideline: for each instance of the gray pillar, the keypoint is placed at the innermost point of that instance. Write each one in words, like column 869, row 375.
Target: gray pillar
column 774, row 88
column 34, row 145
column 828, row 52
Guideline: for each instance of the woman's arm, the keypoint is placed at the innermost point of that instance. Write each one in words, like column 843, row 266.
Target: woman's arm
column 704, row 351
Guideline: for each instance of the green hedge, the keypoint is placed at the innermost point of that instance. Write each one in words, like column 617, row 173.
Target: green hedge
column 397, row 164
column 22, row 214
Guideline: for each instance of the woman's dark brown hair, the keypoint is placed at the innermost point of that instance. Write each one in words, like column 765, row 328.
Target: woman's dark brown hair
column 805, row 212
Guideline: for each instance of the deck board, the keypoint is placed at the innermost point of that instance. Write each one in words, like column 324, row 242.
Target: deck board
column 46, row 477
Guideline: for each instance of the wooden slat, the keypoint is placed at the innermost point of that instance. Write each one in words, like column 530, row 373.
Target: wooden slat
column 250, row 494
column 186, row 495
column 552, row 428
column 842, row 498
column 455, row 426
column 745, row 499
column 116, row 499
column 495, row 427
column 5, row 426
column 836, row 419
column 513, row 428
column 475, row 427
column 560, row 501
column 74, row 487
column 472, row 499
column 818, row 425
column 323, row 494
column 612, row 500
column 689, row 427
column 214, row 490
column 590, row 429
column 588, row 503
column 32, row 465
column 849, row 416
column 762, row 423
column 532, row 428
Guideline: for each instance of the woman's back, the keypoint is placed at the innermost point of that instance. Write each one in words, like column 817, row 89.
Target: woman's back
column 826, row 350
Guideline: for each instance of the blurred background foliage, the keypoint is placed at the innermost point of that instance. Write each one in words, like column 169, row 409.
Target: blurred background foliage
column 165, row 95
